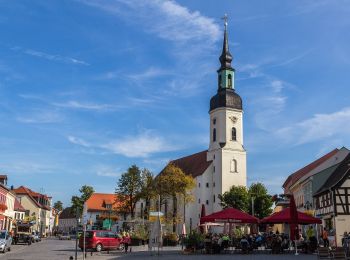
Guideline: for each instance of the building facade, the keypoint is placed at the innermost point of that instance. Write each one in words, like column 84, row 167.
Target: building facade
column 223, row 165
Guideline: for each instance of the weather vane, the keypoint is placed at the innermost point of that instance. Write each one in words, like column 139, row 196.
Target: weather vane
column 225, row 18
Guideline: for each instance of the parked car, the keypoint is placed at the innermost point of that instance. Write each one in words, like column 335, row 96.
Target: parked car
column 64, row 236
column 5, row 241
column 99, row 240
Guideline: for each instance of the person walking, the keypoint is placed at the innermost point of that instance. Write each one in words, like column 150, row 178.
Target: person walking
column 126, row 241
column 325, row 238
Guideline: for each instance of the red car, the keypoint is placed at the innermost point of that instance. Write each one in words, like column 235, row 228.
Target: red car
column 100, row 240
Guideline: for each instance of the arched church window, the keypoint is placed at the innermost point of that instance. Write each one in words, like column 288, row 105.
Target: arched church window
column 214, row 135
column 233, row 166
column 234, row 134
column 229, row 81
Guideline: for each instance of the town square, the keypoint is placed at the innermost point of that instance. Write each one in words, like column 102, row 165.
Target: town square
column 174, row 129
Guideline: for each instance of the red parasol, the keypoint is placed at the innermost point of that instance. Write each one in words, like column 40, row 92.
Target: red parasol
column 230, row 215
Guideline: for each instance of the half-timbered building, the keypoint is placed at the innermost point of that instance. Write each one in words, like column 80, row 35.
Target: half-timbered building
column 332, row 200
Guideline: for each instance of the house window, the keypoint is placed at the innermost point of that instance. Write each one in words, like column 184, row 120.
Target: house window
column 229, row 81
column 214, row 168
column 219, row 81
column 233, row 134
column 233, row 166
column 214, row 197
column 214, row 135
column 199, row 185
column 207, row 202
column 207, row 185
column 213, row 184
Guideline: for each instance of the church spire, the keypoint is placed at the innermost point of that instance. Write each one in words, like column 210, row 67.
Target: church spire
column 225, row 57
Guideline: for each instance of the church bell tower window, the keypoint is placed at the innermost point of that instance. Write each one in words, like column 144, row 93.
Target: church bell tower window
column 233, row 166
column 234, row 134
column 229, row 81
column 214, row 135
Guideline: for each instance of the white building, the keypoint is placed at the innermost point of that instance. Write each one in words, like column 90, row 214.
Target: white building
column 223, row 165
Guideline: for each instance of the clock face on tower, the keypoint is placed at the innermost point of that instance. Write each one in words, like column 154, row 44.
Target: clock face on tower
column 233, row 119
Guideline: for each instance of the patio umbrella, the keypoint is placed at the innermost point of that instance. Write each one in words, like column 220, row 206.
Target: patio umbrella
column 230, row 215
column 183, row 231
column 293, row 219
column 284, row 216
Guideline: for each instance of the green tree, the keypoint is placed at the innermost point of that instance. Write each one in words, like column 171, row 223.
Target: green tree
column 148, row 191
column 78, row 201
column 58, row 205
column 174, row 183
column 128, row 190
column 237, row 197
column 261, row 199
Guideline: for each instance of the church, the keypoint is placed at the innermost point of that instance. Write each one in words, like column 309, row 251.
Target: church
column 224, row 163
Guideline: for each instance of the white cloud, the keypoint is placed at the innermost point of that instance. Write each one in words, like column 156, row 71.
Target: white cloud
column 107, row 171
column 42, row 117
column 142, row 145
column 51, row 57
column 167, row 19
column 78, row 141
column 319, row 127
column 86, row 106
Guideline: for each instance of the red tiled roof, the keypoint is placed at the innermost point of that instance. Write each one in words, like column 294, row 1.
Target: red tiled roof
column 3, row 176
column 294, row 177
column 32, row 195
column 194, row 164
column 98, row 201
column 18, row 206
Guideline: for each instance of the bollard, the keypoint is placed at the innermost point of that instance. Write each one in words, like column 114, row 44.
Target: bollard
column 71, row 258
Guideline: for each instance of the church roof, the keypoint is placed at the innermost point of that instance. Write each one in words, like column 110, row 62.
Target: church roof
column 194, row 164
column 226, row 98
column 337, row 176
column 294, row 177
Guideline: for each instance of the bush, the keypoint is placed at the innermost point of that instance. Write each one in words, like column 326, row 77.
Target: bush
column 194, row 240
column 170, row 239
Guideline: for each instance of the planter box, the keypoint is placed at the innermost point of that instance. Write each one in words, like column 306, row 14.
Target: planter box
column 168, row 242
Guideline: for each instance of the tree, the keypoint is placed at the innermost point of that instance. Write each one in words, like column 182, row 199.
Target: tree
column 148, row 191
column 262, row 200
column 78, row 201
column 237, row 197
column 58, row 205
column 128, row 190
column 173, row 182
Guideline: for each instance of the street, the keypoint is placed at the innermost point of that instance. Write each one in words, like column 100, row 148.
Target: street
column 54, row 249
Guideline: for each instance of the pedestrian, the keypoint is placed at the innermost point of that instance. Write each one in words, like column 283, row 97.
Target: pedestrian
column 126, row 241
column 325, row 238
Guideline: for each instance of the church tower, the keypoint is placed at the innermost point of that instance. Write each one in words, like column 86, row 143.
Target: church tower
column 226, row 149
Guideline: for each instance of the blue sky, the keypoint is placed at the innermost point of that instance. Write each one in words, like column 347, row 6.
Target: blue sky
column 89, row 87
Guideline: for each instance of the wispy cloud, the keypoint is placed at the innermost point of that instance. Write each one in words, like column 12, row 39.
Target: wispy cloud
column 142, row 145
column 317, row 128
column 149, row 73
column 48, row 56
column 41, row 117
column 139, row 146
column 74, row 104
column 78, row 141
column 168, row 20
column 107, row 171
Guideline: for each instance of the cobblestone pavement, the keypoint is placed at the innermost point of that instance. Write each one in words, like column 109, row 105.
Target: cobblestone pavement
column 54, row 249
